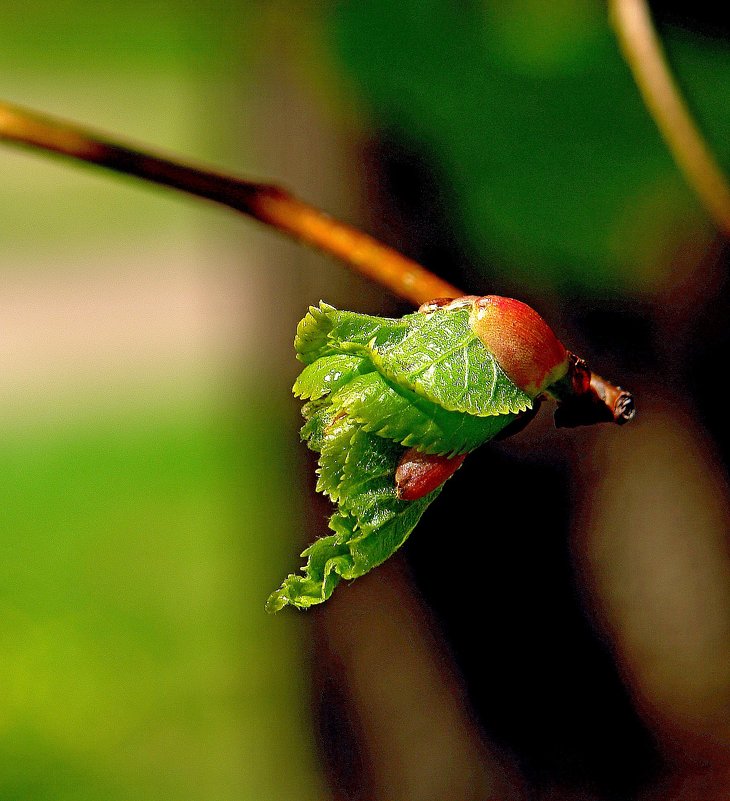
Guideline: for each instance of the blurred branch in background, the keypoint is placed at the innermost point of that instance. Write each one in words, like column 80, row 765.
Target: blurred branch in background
column 643, row 52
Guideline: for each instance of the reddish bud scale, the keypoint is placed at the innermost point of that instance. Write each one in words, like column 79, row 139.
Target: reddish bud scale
column 420, row 473
column 522, row 342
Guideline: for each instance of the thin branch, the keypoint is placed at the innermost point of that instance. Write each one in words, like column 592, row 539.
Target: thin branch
column 643, row 52
column 268, row 204
column 273, row 206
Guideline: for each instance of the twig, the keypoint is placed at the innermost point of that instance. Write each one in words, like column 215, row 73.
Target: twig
column 643, row 52
column 275, row 207
column 268, row 204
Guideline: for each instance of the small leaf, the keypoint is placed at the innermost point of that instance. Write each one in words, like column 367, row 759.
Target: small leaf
column 374, row 525
column 333, row 456
column 326, row 563
column 328, row 374
column 312, row 339
column 400, row 415
column 442, row 359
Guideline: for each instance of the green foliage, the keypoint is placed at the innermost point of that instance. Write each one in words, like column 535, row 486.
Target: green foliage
column 133, row 544
column 375, row 387
column 555, row 173
column 435, row 355
column 370, row 524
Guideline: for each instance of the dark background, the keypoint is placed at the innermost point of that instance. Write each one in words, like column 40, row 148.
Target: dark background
column 564, row 606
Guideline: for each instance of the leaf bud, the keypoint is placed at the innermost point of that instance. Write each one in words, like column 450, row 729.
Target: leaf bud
column 420, row 473
column 524, row 345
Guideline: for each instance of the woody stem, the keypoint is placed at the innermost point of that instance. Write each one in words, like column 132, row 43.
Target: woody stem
column 268, row 204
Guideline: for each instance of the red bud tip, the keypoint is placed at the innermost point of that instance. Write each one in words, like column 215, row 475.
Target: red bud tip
column 420, row 473
column 522, row 342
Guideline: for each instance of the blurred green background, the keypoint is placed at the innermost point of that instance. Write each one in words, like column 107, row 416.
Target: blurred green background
column 153, row 489
column 147, row 447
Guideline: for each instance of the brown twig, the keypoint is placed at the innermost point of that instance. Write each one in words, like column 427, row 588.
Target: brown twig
column 643, row 52
column 268, row 204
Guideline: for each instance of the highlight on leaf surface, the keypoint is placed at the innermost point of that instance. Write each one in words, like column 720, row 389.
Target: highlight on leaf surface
column 394, row 405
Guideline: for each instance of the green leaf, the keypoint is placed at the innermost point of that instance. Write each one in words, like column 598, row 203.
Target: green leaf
column 371, row 527
column 328, row 374
column 554, row 171
column 436, row 355
column 442, row 359
column 318, row 415
column 333, row 455
column 312, row 339
column 398, row 414
column 327, row 561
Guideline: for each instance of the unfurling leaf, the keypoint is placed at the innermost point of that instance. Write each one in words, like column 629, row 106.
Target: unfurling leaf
column 393, row 405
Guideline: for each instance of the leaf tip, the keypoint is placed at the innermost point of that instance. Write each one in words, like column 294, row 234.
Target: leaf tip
column 276, row 602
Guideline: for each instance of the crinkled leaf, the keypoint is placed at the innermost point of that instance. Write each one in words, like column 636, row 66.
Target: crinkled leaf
column 442, row 359
column 333, row 456
column 371, row 527
column 318, row 415
column 312, row 339
column 326, row 330
column 436, row 355
column 400, row 415
column 326, row 563
column 329, row 433
column 328, row 374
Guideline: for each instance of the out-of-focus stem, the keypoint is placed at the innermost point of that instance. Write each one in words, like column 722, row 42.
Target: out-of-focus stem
column 268, row 204
column 643, row 52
